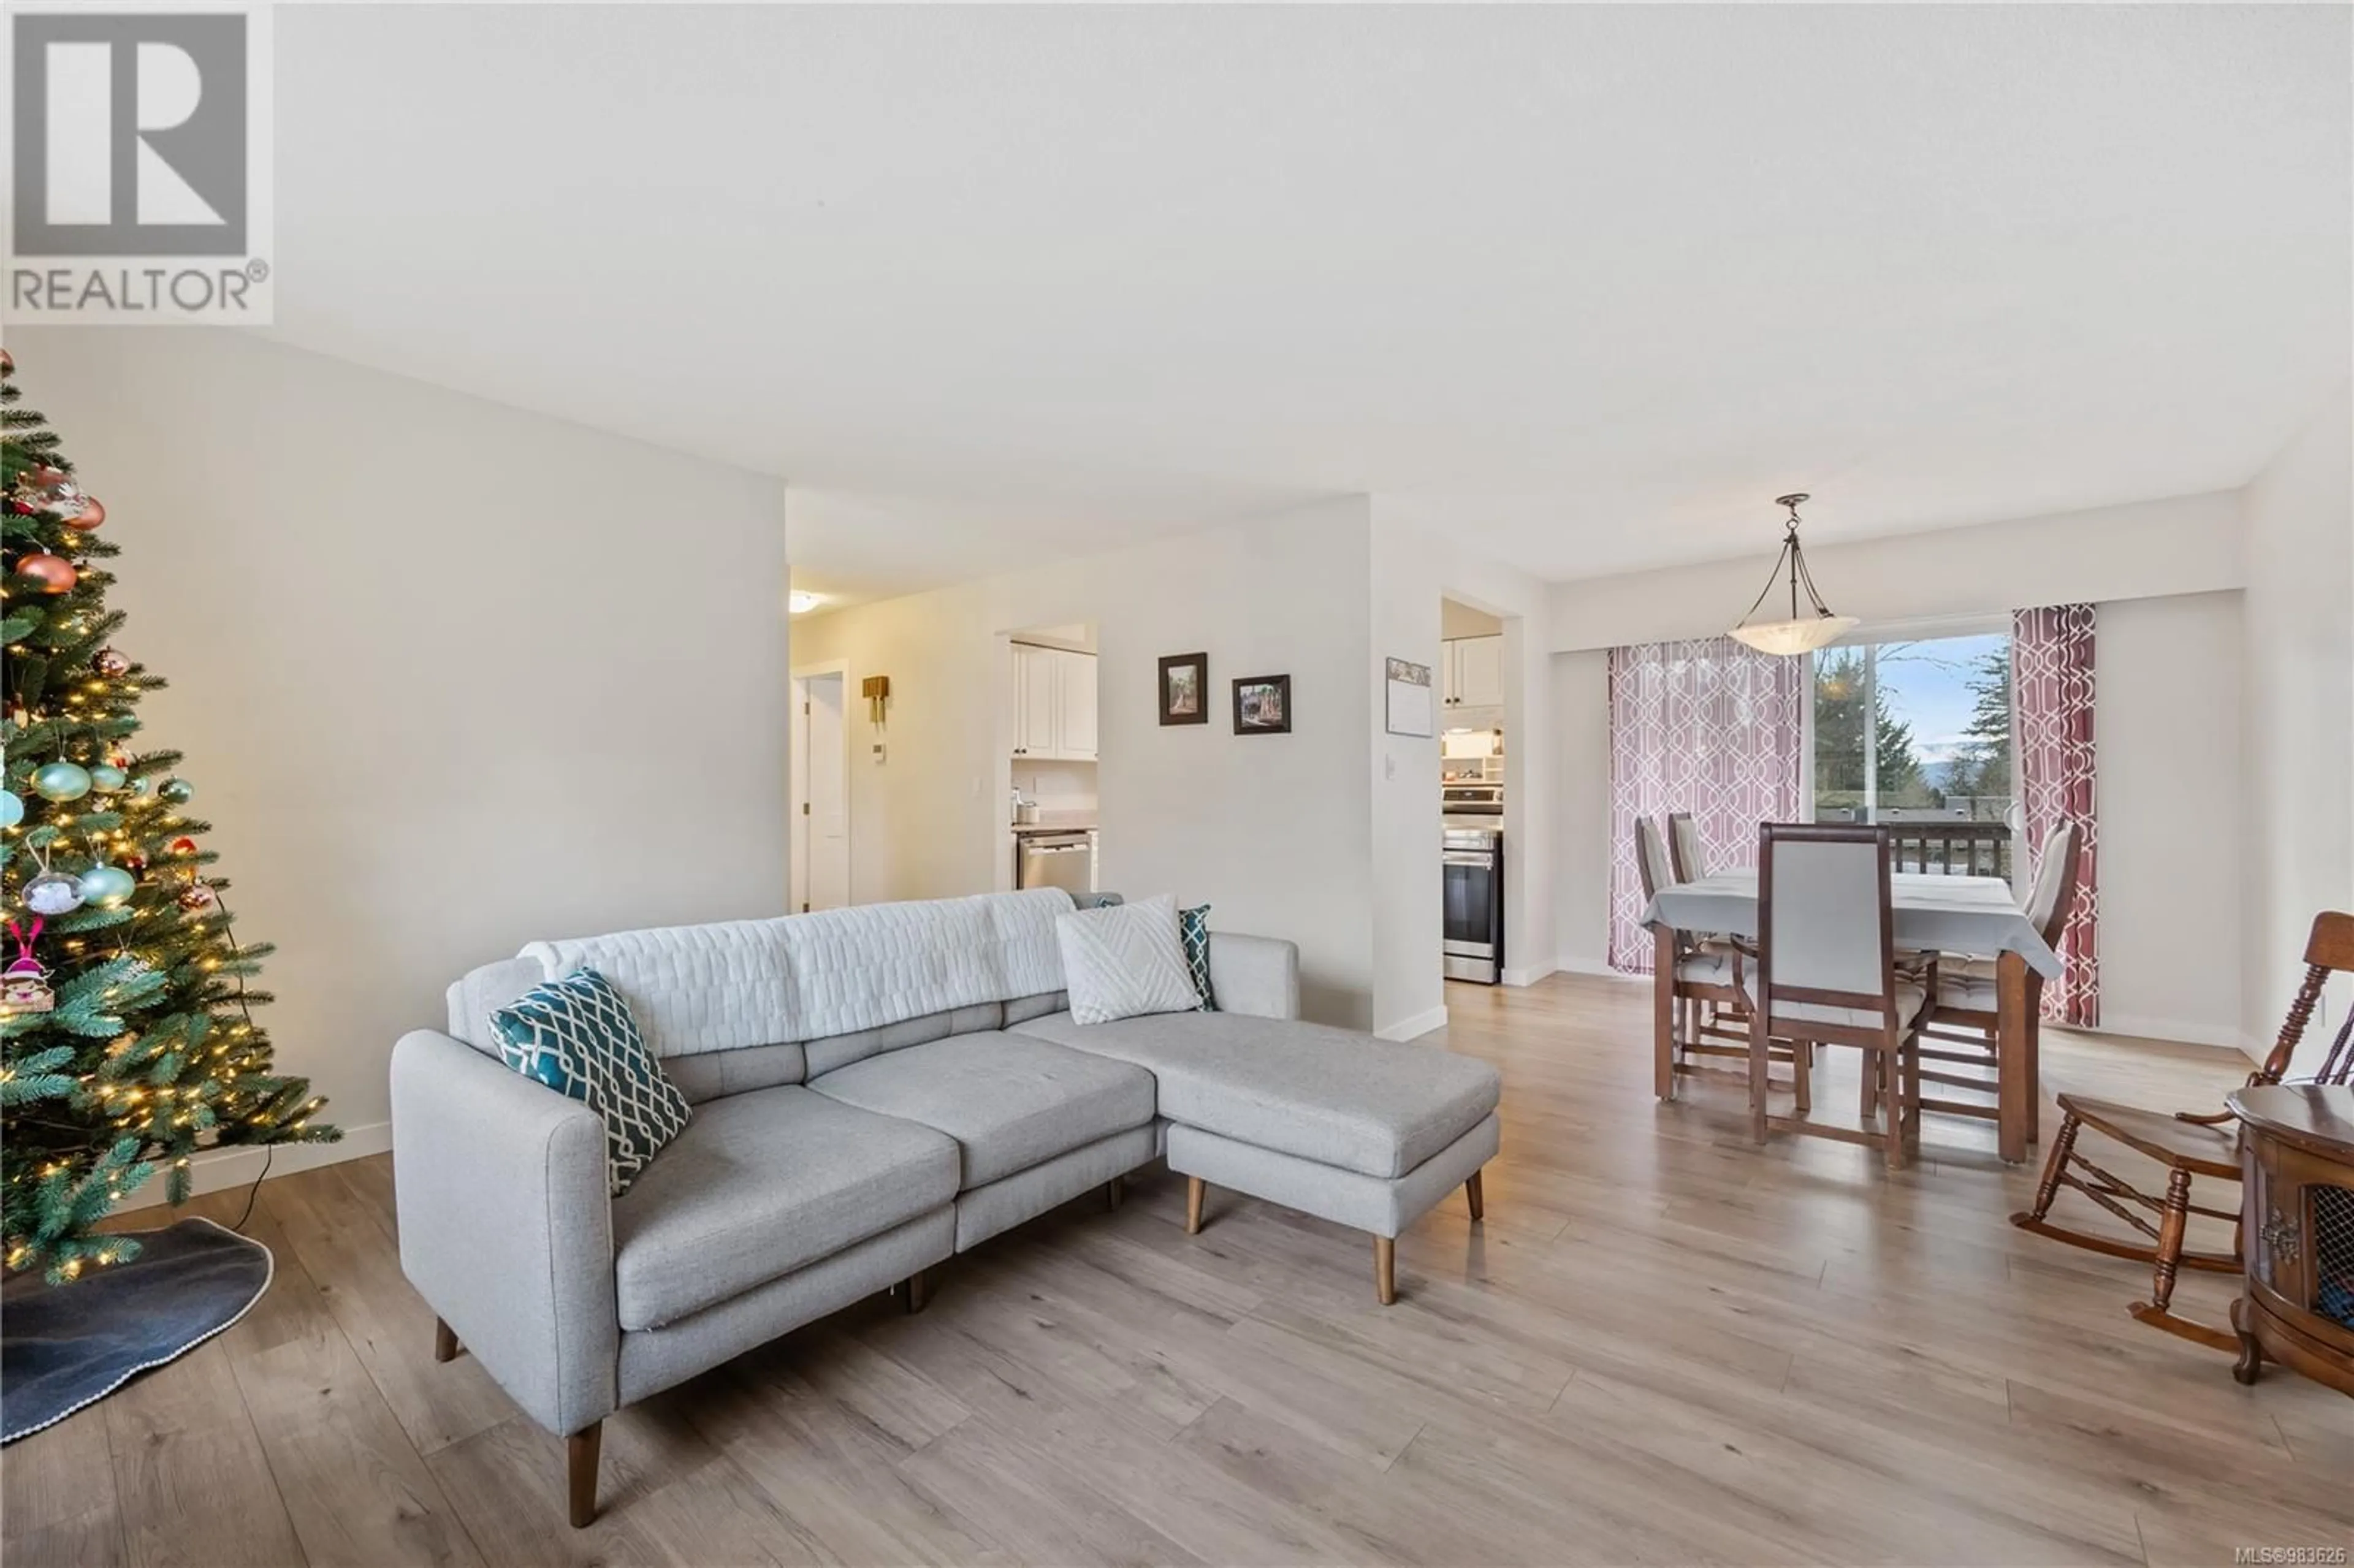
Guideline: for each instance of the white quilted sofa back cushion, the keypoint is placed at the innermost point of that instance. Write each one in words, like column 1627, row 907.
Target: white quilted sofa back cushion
column 740, row 983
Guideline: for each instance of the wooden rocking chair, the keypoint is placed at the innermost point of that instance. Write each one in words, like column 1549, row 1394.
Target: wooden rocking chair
column 2189, row 1145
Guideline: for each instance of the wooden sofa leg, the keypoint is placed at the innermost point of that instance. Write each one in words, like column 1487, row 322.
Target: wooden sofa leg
column 580, row 1473
column 918, row 1293
column 1114, row 1191
column 445, row 1342
column 1195, row 1188
column 1385, row 1269
column 1478, row 1199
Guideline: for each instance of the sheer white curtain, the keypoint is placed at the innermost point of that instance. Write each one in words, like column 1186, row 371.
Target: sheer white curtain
column 1707, row 726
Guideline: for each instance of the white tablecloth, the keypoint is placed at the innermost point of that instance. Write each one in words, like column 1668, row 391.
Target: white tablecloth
column 1932, row 914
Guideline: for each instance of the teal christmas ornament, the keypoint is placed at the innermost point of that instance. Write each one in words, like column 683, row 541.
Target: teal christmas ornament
column 12, row 808
column 178, row 791
column 106, row 777
column 107, row 886
column 60, row 781
column 144, row 787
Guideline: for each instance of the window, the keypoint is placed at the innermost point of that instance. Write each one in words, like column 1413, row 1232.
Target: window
column 1938, row 712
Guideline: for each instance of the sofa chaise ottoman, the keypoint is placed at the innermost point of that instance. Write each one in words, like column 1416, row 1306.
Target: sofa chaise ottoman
column 1359, row 1131
column 874, row 1090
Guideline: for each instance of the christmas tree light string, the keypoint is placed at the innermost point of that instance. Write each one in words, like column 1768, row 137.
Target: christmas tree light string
column 127, row 1019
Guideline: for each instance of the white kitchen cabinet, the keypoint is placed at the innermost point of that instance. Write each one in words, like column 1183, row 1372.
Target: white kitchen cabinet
column 1033, row 700
column 1472, row 671
column 1054, row 704
column 1075, row 705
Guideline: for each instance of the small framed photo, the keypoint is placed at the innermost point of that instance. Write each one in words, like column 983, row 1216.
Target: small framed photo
column 1184, row 688
column 1263, row 705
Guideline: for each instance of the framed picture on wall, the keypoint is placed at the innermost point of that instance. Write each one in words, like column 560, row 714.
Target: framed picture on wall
column 1263, row 705
column 1409, row 703
column 1185, row 688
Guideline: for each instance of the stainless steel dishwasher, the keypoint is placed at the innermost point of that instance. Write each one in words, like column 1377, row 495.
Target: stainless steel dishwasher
column 1064, row 860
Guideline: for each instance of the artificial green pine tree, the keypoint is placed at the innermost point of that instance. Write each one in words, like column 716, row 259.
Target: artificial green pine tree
column 127, row 1042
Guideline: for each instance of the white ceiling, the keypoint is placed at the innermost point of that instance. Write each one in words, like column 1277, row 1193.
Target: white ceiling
column 1586, row 285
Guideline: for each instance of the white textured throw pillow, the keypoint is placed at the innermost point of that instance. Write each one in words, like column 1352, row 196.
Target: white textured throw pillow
column 1125, row 961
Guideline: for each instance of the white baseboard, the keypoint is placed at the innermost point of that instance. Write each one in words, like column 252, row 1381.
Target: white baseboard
column 2174, row 1030
column 1529, row 976
column 224, row 1168
column 1581, row 966
column 1408, row 1028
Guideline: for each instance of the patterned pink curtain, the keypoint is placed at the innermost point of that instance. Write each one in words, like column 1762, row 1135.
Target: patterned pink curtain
column 1707, row 726
column 2051, row 687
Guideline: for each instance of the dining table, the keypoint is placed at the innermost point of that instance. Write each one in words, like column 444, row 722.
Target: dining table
column 1977, row 915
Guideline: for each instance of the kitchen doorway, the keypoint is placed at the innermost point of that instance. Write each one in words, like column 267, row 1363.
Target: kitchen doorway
column 819, row 874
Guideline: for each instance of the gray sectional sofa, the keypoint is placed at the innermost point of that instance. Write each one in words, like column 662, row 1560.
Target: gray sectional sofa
column 876, row 1090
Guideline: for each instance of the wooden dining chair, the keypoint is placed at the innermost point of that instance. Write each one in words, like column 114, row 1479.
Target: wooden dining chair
column 2191, row 1145
column 1963, row 1024
column 1826, row 974
column 1709, row 994
column 1724, row 1021
column 1683, row 847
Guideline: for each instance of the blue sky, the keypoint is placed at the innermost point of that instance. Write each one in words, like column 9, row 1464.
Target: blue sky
column 1928, row 684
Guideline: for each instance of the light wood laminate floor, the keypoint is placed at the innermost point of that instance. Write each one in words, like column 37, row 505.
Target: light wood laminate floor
column 1664, row 1345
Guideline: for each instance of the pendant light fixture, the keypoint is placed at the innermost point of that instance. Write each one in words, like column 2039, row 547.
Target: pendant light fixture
column 1802, row 633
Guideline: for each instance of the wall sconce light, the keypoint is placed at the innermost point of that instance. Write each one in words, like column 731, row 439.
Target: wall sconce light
column 876, row 690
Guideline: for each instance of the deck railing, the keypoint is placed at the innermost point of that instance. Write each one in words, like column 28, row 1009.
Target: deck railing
column 1950, row 848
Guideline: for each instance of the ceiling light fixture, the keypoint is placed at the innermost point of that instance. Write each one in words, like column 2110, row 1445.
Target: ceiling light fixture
column 1801, row 633
column 800, row 602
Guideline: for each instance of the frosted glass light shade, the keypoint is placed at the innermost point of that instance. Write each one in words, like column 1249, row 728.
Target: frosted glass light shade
column 1802, row 636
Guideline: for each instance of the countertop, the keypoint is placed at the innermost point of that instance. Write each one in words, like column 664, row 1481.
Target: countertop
column 1057, row 822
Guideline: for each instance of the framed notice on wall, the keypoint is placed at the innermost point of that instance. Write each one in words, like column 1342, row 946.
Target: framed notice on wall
column 1410, row 708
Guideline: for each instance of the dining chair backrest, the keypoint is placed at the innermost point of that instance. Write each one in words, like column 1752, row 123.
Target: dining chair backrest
column 1825, row 928
column 1651, row 859
column 1683, row 847
column 2053, row 896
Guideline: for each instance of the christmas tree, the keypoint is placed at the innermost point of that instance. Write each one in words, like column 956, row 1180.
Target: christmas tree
column 127, row 1040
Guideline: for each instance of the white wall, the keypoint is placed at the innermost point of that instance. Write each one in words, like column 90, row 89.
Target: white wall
column 1271, row 830
column 1581, row 889
column 2172, row 802
column 449, row 676
column 2298, row 516
column 2165, row 574
column 1413, row 570
column 2185, row 544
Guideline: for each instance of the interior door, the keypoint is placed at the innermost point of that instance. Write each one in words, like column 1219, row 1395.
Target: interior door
column 1076, row 707
column 796, row 803
column 828, row 886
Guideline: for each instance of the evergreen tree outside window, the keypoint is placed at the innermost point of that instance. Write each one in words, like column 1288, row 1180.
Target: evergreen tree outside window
column 1906, row 729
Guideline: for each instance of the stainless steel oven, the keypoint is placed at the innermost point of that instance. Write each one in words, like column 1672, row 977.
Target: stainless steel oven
column 1473, row 880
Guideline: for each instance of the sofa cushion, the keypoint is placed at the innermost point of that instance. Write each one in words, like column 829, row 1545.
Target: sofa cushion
column 1324, row 1093
column 1125, row 961
column 576, row 1035
column 1194, row 935
column 757, row 1186
column 1010, row 1101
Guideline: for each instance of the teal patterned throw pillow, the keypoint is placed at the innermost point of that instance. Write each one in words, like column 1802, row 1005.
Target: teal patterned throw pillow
column 577, row 1036
column 1193, row 935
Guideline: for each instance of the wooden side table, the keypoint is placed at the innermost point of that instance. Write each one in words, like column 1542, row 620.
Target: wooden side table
column 2296, row 1228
